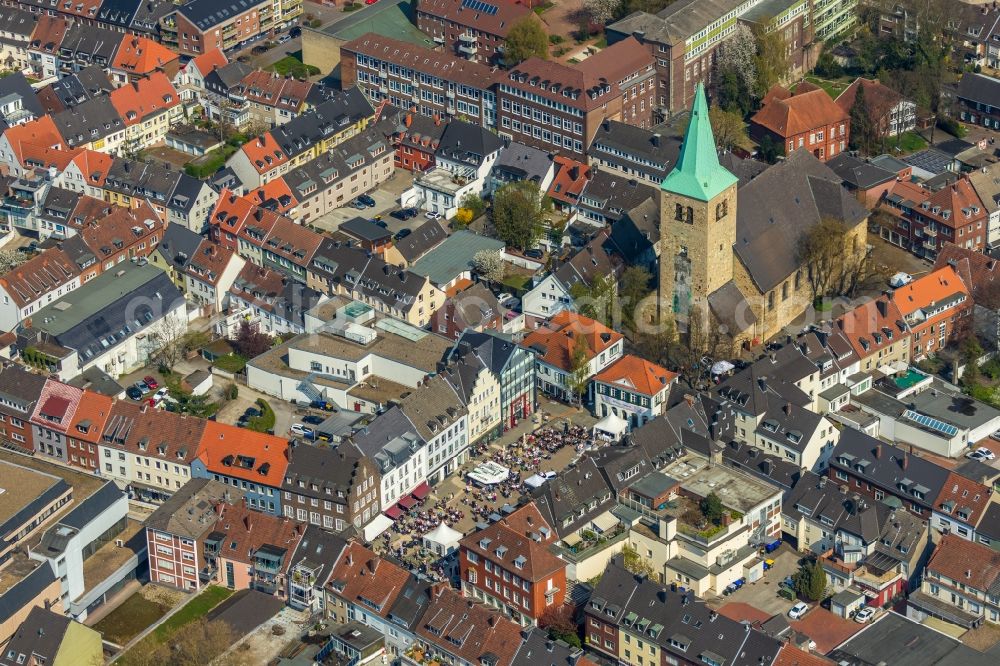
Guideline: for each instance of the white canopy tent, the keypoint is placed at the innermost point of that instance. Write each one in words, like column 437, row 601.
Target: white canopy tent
column 379, row 524
column 489, row 473
column 538, row 480
column 442, row 540
column 611, row 426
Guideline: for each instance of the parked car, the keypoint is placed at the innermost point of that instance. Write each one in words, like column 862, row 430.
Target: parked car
column 134, row 393
column 864, row 615
column 151, row 383
column 251, row 413
column 431, row 215
column 403, row 233
column 284, row 39
column 986, row 453
column 404, row 214
column 295, row 32
column 995, row 435
column 142, row 386
column 301, row 430
column 370, row 2
column 534, row 253
column 380, row 223
column 358, row 205
column 312, row 419
column 900, row 280
column 976, row 455
column 366, row 200
column 798, row 610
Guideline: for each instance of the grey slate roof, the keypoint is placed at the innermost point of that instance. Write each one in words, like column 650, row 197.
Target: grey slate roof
column 334, row 115
column 611, row 195
column 980, row 88
column 17, row 84
column 731, row 308
column 18, row 22
column 494, row 349
column 90, row 44
column 40, row 635
column 178, row 245
column 20, row 387
column 594, row 260
column 94, row 119
column 884, row 466
column 773, row 469
column 93, row 506
column 649, row 152
column 537, row 649
column 467, row 143
column 208, row 13
column 363, row 229
column 520, row 162
column 777, row 207
column 25, row 591
column 572, row 492
column 329, row 469
column 857, row 173
column 423, row 239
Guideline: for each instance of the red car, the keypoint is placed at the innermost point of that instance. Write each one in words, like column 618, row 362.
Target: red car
column 370, row 2
column 151, row 383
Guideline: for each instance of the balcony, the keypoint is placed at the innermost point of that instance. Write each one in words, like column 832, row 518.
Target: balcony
column 468, row 49
column 930, row 233
column 450, row 94
column 929, row 245
column 467, row 38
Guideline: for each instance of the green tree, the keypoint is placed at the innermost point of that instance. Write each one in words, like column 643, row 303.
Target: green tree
column 525, row 39
column 771, row 60
column 518, row 214
column 597, row 300
column 728, row 127
column 827, row 66
column 634, row 288
column 863, row 130
column 770, row 150
column 474, row 203
column 711, row 507
column 817, row 582
column 634, row 562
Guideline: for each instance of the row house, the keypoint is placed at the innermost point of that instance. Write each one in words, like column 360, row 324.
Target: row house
column 72, row 89
column 209, row 275
column 421, row 440
column 86, row 173
column 94, row 124
column 338, row 269
column 176, row 197
column 82, row 436
column 509, row 566
column 427, row 82
column 125, row 234
column 274, row 99
column 475, row 308
column 937, row 310
column 961, row 585
column 512, row 366
column 34, row 284
column 52, row 419
column 478, row 390
column 636, row 621
column 141, row 57
column 138, row 18
column 176, row 531
column 270, row 301
column 281, row 245
column 250, row 550
column 977, row 100
column 16, row 28
column 473, row 30
column 149, row 107
column 84, row 45
column 222, row 96
column 231, row 213
column 254, row 462
column 333, row 180
column 416, row 140
column 43, row 49
column 376, row 592
column 454, row 630
column 335, row 489
column 202, row 25
column 19, row 393
column 189, row 80
column 632, row 389
column 17, row 140
column 148, row 451
column 302, row 139
column 556, row 107
column 877, row 333
column 950, row 503
column 18, row 101
column 923, row 220
column 312, row 563
column 555, row 343
column 891, row 113
column 803, row 118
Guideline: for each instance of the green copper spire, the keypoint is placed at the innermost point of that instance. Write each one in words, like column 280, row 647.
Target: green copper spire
column 698, row 174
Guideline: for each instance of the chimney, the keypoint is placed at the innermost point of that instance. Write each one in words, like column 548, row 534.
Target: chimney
column 883, row 307
column 689, row 399
column 247, row 523
column 409, row 119
column 574, row 172
column 787, row 409
column 905, row 460
column 878, row 450
column 656, row 140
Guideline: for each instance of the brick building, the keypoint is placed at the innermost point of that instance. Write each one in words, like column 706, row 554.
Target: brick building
column 19, row 391
column 805, row 117
column 472, row 29
column 202, row 25
column 923, row 220
column 337, row 489
column 938, row 310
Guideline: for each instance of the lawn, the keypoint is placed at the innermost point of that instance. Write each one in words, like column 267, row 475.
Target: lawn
column 192, row 610
column 518, row 282
column 231, row 363
column 907, row 142
column 126, row 622
column 264, row 422
column 295, row 67
column 832, row 88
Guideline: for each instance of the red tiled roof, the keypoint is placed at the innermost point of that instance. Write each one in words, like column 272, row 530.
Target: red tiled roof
column 959, row 200
column 637, row 374
column 48, row 33
column 556, row 340
column 143, row 99
column 927, row 291
column 141, row 55
column 739, row 611
column 39, row 132
column 92, row 412
column 468, row 629
column 226, row 449
column 207, row 62
column 247, row 531
column 878, row 316
column 827, row 629
column 272, row 89
column 538, row 562
column 264, row 153
column 791, row 655
column 94, row 166
column 965, row 495
column 879, row 99
column 121, row 226
column 45, row 156
column 209, row 262
column 231, row 212
column 972, row 564
column 273, row 191
column 155, row 433
column 447, row 66
column 569, row 180
column 39, row 275
column 795, row 114
column 56, row 400
column 361, row 574
column 980, row 273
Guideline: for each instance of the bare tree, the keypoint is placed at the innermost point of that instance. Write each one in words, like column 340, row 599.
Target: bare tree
column 165, row 341
column 833, row 262
column 196, row 644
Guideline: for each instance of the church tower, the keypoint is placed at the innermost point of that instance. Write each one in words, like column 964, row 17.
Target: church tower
column 697, row 219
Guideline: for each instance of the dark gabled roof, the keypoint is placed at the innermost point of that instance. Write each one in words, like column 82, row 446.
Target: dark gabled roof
column 771, row 468
column 20, row 386
column 18, row 22
column 93, row 506
column 857, row 173
column 537, row 649
column 761, row 388
column 363, row 229
column 335, row 469
column 468, row 143
column 649, row 152
column 521, row 162
column 886, row 463
column 612, row 194
column 17, row 84
column 780, row 205
column 979, row 88
column 228, row 76
column 571, row 492
column 25, row 591
column 40, row 635
column 424, row 238
column 78, row 124
column 989, row 524
column 91, row 40
column 494, row 349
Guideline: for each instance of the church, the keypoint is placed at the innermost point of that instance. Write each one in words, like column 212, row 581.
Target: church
column 729, row 267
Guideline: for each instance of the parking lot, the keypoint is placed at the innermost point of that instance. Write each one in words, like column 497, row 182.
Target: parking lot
column 763, row 594
column 386, row 200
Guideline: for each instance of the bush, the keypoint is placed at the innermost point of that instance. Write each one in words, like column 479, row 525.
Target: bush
column 951, row 126
column 264, row 422
column 233, row 392
column 556, row 39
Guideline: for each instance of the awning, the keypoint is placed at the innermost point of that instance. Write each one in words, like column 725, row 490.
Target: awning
column 605, row 522
column 394, row 512
column 407, row 503
column 571, row 539
column 421, row 491
column 379, row 524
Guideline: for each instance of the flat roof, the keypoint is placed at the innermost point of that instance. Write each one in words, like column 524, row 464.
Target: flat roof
column 84, row 485
column 736, row 489
column 453, row 256
column 110, row 557
column 19, row 487
column 387, row 20
column 101, row 293
column 423, row 353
